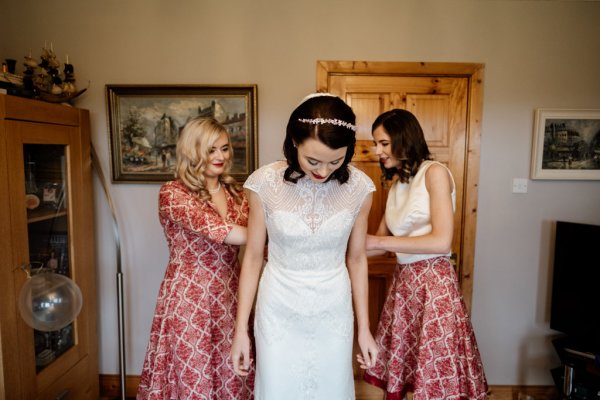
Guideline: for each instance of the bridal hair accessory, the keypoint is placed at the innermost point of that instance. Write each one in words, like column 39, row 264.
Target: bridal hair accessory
column 318, row 94
column 333, row 121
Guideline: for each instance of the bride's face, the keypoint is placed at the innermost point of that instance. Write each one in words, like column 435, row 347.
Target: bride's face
column 319, row 161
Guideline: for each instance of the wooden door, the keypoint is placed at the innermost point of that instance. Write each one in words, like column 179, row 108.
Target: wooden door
column 446, row 99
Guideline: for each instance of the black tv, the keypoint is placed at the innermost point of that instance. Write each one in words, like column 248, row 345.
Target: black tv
column 575, row 308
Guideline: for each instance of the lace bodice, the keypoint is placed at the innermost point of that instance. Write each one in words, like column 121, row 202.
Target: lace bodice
column 307, row 221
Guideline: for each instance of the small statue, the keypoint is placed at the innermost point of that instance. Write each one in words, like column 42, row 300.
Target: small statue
column 29, row 89
column 50, row 78
column 45, row 81
column 69, row 80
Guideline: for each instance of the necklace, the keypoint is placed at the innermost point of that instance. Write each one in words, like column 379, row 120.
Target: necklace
column 215, row 190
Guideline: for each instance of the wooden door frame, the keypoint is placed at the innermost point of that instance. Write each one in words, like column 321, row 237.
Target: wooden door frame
column 473, row 72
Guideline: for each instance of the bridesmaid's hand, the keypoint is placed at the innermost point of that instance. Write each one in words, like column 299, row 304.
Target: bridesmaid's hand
column 240, row 353
column 369, row 351
column 371, row 242
column 373, row 246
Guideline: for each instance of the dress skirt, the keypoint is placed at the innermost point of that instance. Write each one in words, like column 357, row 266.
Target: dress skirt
column 304, row 332
column 426, row 341
column 191, row 335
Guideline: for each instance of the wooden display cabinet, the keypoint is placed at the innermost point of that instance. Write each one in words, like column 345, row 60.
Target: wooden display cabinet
column 46, row 226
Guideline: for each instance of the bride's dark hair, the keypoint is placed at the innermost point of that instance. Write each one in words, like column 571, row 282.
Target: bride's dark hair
column 326, row 118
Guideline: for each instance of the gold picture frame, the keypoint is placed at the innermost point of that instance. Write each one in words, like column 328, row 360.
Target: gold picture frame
column 145, row 120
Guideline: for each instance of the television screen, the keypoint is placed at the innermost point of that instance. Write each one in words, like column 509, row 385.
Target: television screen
column 575, row 308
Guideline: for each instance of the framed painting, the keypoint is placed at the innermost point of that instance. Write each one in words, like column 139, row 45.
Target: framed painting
column 145, row 121
column 566, row 145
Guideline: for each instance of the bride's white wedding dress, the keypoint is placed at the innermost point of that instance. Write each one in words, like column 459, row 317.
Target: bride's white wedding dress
column 304, row 322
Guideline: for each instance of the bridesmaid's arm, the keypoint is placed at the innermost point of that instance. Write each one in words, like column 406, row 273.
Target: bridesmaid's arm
column 372, row 240
column 239, row 233
column 181, row 208
column 251, row 267
column 237, row 236
column 359, row 276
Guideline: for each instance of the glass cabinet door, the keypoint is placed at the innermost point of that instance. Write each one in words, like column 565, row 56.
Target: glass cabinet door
column 46, row 194
column 48, row 253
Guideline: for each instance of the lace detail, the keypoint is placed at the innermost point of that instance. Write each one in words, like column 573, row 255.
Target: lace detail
column 304, row 320
column 313, row 202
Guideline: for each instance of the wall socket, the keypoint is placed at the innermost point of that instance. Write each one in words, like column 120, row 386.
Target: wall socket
column 519, row 185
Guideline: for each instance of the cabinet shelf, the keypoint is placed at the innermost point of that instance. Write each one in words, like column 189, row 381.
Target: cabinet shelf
column 44, row 215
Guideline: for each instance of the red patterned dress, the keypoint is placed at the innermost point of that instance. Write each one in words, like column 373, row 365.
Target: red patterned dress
column 426, row 341
column 191, row 334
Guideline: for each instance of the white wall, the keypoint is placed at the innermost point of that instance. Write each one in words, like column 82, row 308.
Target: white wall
column 537, row 54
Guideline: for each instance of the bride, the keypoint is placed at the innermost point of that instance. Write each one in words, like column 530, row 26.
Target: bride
column 314, row 209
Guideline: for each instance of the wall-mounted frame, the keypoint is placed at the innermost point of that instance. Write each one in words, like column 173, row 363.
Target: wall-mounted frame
column 566, row 145
column 145, row 120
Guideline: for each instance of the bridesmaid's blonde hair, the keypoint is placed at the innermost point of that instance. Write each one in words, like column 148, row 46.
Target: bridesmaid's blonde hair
column 195, row 141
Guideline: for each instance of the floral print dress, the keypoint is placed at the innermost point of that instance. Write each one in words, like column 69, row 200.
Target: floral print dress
column 192, row 329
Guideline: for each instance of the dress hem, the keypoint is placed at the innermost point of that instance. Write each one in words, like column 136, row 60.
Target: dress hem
column 372, row 380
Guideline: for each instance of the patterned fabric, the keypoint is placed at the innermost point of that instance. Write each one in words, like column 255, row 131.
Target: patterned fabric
column 192, row 330
column 304, row 323
column 427, row 345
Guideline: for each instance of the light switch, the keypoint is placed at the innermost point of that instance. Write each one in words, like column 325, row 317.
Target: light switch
column 519, row 185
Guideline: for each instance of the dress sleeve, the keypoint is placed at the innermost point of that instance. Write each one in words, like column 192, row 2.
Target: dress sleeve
column 254, row 181
column 242, row 211
column 369, row 186
column 178, row 207
column 363, row 184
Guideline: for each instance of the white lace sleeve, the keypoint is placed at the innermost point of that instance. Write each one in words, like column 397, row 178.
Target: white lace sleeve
column 361, row 182
column 264, row 178
column 254, row 181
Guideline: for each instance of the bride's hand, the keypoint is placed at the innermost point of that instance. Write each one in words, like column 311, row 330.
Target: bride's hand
column 240, row 353
column 369, row 350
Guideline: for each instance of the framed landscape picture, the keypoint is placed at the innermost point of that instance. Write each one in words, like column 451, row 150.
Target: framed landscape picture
column 145, row 121
column 566, row 144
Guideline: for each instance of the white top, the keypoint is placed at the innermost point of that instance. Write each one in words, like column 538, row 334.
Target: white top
column 407, row 211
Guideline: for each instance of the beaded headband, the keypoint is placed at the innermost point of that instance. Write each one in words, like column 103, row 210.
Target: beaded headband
column 333, row 121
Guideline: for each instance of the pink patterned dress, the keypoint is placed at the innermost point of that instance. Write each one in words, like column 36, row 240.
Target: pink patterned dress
column 192, row 329
column 426, row 341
